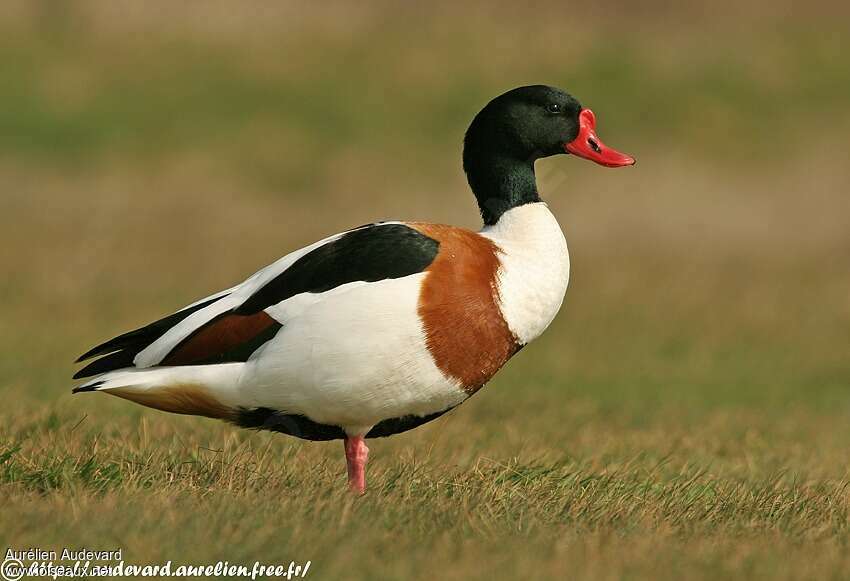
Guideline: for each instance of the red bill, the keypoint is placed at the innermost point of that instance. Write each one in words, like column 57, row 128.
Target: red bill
column 588, row 145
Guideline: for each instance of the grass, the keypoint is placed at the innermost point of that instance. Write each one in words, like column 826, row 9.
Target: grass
column 712, row 497
column 686, row 416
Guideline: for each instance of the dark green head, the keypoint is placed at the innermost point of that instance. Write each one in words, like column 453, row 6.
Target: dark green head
column 527, row 123
column 517, row 128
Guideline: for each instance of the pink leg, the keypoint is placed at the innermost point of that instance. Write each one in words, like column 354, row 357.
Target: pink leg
column 356, row 454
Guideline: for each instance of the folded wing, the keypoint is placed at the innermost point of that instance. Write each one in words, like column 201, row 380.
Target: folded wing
column 231, row 325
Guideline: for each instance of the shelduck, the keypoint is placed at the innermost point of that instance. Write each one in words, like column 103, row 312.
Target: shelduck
column 382, row 328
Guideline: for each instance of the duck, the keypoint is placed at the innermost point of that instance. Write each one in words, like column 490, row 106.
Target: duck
column 379, row 329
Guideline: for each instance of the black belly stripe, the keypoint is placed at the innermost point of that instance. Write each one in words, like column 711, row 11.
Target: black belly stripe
column 303, row 427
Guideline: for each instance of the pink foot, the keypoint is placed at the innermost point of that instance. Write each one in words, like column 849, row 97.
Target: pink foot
column 356, row 454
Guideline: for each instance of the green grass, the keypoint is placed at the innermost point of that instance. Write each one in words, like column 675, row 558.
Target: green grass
column 686, row 416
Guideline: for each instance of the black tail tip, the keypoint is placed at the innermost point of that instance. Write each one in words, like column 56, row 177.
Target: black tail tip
column 85, row 388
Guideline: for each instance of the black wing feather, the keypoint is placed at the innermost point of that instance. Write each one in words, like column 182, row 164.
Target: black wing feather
column 144, row 336
column 120, row 351
column 116, row 360
column 369, row 254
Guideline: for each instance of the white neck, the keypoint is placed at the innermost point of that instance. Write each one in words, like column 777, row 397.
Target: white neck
column 535, row 268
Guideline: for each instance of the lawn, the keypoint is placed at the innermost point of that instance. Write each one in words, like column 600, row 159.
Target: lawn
column 687, row 415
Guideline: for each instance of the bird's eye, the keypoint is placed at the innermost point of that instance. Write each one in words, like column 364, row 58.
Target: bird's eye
column 554, row 108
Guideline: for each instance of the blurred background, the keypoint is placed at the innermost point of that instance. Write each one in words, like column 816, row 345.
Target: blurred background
column 151, row 153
